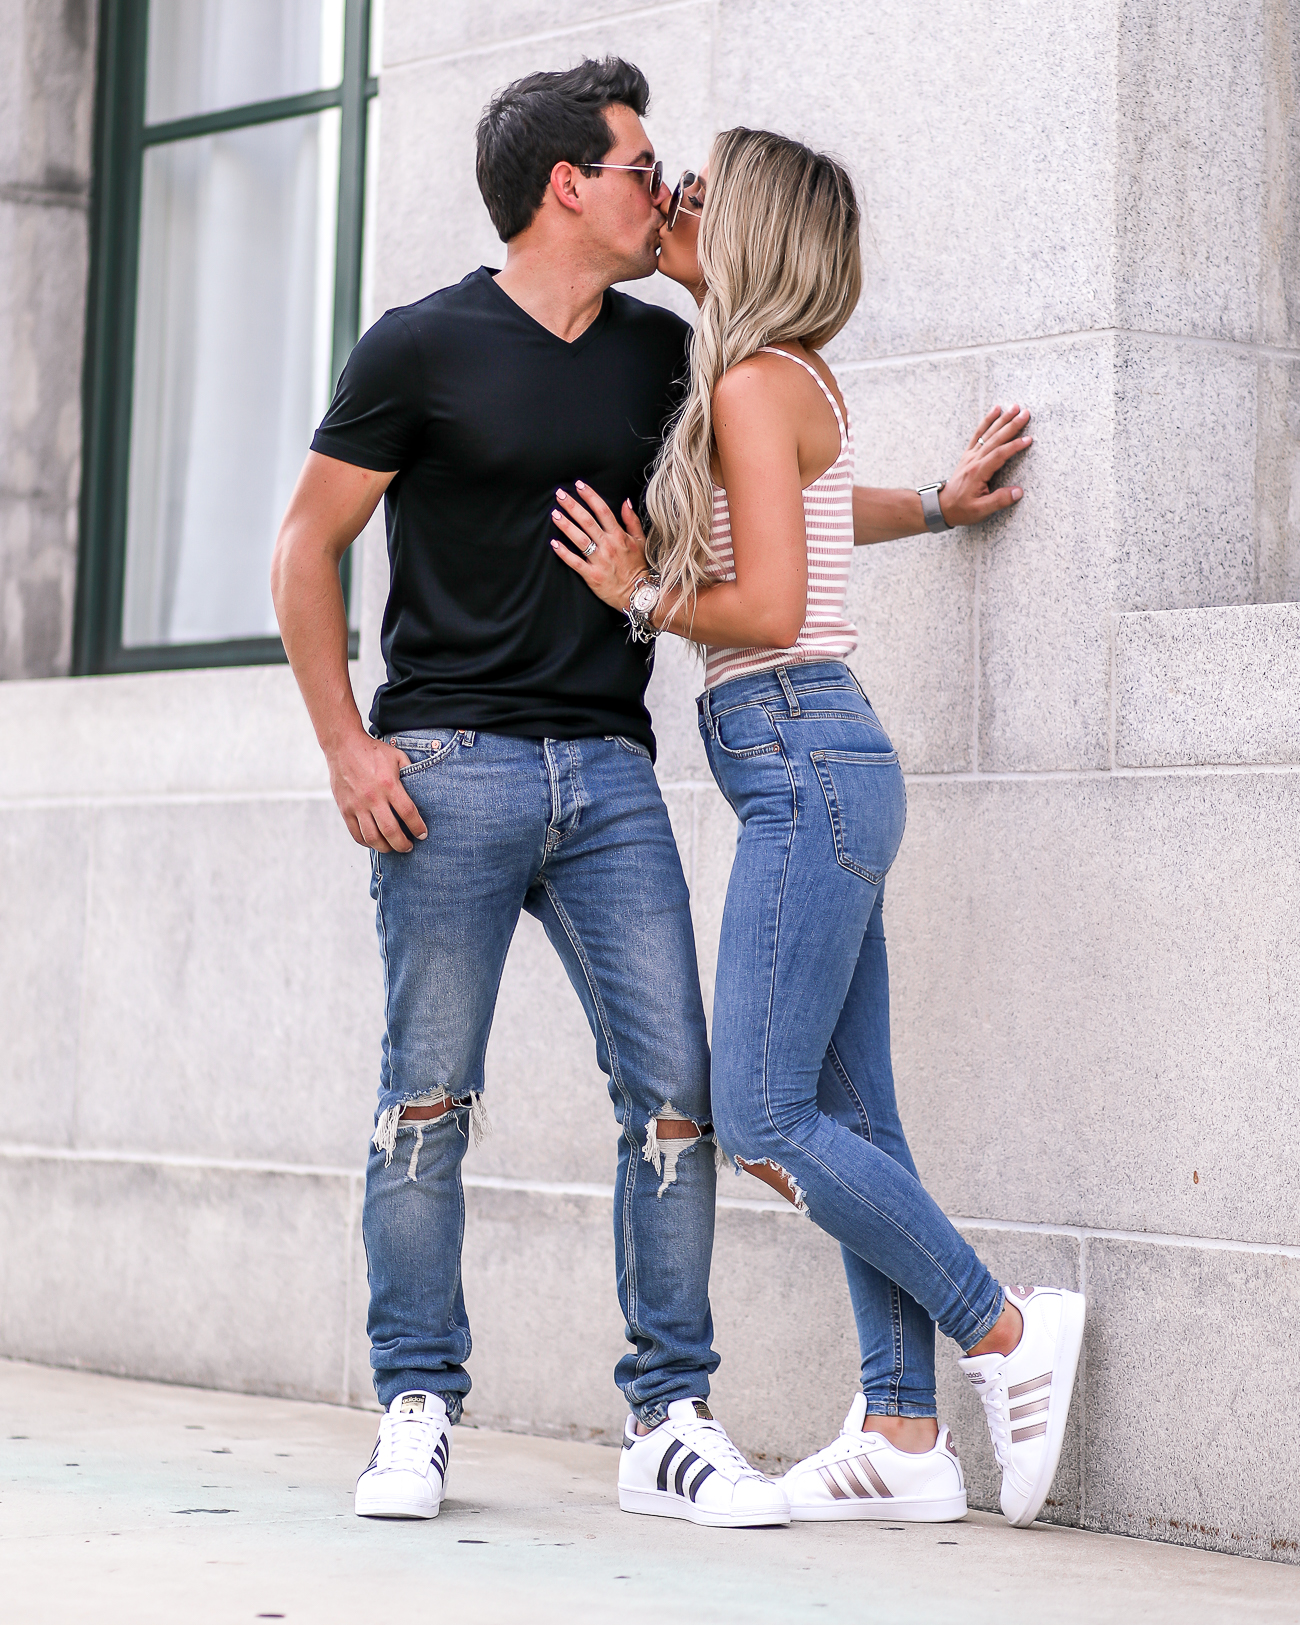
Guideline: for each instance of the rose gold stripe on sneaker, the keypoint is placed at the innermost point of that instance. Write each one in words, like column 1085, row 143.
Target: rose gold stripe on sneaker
column 1032, row 1409
column 1028, row 1387
column 877, row 1483
column 1019, row 1435
column 833, row 1484
column 853, row 1481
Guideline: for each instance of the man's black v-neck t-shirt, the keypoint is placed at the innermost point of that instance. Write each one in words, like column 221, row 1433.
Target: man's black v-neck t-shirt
column 483, row 412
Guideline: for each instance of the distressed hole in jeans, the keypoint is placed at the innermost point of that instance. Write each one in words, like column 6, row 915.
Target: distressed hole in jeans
column 773, row 1174
column 424, row 1111
column 668, row 1136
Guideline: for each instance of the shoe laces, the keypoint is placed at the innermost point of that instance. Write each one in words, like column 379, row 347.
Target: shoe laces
column 406, row 1443
column 709, row 1440
column 997, row 1411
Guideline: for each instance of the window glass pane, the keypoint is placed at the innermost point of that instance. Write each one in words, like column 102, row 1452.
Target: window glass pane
column 373, row 535
column 368, row 313
column 234, row 318
column 376, row 53
column 208, row 54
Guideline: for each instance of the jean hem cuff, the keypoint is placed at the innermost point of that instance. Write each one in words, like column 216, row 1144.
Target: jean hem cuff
column 985, row 1326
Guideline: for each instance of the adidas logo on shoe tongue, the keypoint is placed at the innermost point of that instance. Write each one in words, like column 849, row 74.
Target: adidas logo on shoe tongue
column 411, row 1405
column 685, row 1410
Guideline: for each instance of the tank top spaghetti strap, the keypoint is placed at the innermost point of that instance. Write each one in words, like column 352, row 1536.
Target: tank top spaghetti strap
column 826, row 633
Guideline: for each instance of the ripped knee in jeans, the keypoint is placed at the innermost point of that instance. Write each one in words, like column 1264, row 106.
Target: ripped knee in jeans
column 772, row 1173
column 421, row 1111
column 669, row 1135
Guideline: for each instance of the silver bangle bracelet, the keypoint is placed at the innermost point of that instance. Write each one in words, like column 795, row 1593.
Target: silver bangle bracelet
column 641, row 605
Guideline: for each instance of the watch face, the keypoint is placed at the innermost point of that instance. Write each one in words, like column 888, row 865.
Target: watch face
column 645, row 598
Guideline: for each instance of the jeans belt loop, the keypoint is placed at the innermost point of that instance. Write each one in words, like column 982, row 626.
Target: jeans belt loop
column 787, row 688
column 707, row 714
column 467, row 736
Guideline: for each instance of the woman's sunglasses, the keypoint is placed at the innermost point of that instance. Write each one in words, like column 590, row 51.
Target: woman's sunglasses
column 679, row 199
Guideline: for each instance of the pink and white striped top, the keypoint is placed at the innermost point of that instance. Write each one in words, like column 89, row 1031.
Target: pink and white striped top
column 828, row 527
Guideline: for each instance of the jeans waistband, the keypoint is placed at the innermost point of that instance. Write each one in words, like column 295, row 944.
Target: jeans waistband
column 782, row 686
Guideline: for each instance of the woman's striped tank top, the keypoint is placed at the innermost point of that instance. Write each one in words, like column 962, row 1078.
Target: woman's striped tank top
column 828, row 526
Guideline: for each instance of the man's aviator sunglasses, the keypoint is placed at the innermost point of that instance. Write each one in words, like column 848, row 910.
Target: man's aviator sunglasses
column 656, row 173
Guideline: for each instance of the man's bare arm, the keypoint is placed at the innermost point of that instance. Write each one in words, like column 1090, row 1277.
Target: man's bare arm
column 330, row 507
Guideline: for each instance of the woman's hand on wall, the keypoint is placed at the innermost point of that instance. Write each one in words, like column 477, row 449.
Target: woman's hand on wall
column 968, row 496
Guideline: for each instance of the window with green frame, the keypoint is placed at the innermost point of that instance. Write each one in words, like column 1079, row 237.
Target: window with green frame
column 226, row 264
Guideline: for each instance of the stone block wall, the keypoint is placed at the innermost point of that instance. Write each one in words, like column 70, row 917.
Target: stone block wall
column 1092, row 922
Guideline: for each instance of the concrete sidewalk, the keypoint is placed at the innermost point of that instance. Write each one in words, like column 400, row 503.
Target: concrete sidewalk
column 133, row 1501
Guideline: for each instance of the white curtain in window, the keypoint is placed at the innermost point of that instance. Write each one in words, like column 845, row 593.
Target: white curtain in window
column 234, row 320
column 206, row 54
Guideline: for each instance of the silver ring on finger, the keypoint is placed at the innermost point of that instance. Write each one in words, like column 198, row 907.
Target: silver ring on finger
column 979, row 440
column 588, row 551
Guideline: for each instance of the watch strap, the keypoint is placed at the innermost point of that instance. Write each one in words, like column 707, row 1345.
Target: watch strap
column 934, row 520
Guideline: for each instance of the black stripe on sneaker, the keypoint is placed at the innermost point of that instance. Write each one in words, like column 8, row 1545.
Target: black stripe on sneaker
column 664, row 1465
column 688, row 1461
column 699, row 1479
column 440, row 1456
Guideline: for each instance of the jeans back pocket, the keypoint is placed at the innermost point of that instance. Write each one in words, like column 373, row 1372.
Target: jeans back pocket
column 867, row 803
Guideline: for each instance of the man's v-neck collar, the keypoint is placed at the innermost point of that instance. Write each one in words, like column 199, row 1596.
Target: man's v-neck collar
column 569, row 346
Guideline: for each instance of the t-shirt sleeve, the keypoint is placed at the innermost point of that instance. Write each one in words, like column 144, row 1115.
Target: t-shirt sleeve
column 377, row 415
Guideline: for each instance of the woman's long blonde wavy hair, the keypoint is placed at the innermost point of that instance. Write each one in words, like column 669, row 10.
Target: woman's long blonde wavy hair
column 780, row 257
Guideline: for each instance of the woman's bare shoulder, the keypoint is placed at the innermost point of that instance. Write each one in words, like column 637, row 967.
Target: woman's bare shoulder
column 759, row 384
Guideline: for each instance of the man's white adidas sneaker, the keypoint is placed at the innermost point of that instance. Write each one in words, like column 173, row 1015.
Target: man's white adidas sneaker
column 688, row 1468
column 1026, row 1395
column 862, row 1475
column 407, row 1475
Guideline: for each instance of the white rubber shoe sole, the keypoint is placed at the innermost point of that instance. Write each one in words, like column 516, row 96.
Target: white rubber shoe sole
column 658, row 1504
column 397, row 1501
column 894, row 1509
column 1069, row 1343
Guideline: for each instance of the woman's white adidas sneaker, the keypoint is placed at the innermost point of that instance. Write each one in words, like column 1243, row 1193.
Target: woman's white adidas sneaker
column 1026, row 1395
column 407, row 1475
column 862, row 1475
column 688, row 1468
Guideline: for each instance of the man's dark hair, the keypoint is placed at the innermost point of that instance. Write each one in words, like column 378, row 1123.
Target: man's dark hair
column 544, row 120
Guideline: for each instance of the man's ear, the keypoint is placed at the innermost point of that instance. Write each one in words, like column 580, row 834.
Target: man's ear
column 564, row 186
